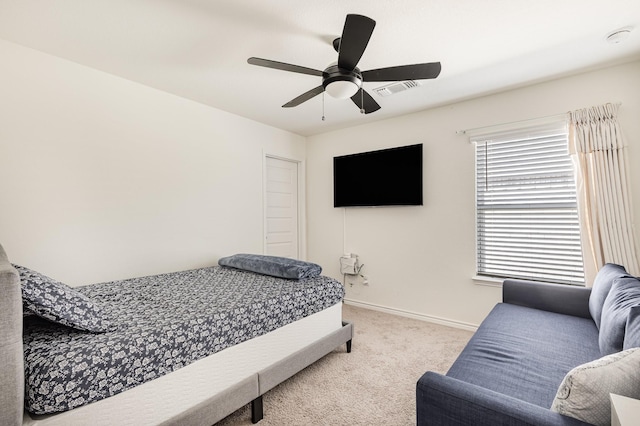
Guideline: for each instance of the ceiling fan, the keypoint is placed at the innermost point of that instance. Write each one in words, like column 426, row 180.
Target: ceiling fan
column 343, row 79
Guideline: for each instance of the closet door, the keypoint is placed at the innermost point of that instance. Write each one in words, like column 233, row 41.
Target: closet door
column 281, row 208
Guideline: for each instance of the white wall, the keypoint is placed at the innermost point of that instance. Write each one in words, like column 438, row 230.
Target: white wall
column 103, row 178
column 421, row 259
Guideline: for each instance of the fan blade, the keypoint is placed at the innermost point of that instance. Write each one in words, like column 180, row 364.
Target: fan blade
column 404, row 72
column 304, row 97
column 370, row 105
column 355, row 37
column 283, row 66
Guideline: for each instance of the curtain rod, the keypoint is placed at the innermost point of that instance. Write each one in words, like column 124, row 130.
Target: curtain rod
column 546, row 117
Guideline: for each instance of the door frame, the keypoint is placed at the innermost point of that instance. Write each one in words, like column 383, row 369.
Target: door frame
column 302, row 224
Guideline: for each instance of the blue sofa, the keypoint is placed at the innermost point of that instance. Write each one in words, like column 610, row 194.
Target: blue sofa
column 511, row 369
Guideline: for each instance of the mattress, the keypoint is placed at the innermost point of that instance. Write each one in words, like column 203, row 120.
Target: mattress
column 163, row 323
column 167, row 397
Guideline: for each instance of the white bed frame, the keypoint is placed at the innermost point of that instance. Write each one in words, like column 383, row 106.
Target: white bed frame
column 201, row 393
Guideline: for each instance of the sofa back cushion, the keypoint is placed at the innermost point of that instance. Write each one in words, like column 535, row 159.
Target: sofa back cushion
column 632, row 329
column 624, row 294
column 601, row 286
column 584, row 392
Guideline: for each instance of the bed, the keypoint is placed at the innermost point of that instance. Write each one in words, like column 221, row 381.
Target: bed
column 190, row 373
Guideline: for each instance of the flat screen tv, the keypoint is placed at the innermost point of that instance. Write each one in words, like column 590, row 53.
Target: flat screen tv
column 388, row 177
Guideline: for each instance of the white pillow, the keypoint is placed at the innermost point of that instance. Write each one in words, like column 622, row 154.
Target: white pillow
column 584, row 392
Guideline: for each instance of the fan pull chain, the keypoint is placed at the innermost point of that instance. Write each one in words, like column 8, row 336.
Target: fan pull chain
column 323, row 105
column 361, row 101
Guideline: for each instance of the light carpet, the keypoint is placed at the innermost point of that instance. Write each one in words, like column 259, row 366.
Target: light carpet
column 373, row 385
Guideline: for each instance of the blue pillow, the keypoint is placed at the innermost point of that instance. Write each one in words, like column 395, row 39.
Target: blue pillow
column 601, row 287
column 624, row 294
column 59, row 303
column 281, row 267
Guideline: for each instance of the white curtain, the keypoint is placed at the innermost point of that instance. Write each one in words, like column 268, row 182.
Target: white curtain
column 604, row 200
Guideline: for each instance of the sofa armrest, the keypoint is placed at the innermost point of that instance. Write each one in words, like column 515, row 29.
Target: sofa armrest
column 443, row 400
column 559, row 298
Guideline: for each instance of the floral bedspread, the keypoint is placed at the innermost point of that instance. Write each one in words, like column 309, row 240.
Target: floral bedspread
column 163, row 323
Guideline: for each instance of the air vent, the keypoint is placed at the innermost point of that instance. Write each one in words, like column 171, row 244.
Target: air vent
column 392, row 88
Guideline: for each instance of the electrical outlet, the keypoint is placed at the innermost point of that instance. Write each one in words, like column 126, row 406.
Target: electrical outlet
column 349, row 264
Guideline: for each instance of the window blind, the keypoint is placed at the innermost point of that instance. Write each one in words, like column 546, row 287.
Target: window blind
column 527, row 217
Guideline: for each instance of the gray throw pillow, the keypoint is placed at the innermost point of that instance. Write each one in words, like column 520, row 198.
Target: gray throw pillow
column 59, row 303
column 601, row 286
column 624, row 294
column 584, row 392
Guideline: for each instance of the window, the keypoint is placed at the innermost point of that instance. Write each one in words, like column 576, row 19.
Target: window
column 527, row 216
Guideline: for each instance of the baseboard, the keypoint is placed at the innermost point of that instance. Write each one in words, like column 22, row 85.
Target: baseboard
column 413, row 315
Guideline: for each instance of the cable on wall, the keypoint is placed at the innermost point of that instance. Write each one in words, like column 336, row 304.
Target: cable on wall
column 344, row 230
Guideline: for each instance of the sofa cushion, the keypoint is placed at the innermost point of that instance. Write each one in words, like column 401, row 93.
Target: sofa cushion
column 624, row 293
column 525, row 353
column 584, row 392
column 601, row 286
column 632, row 329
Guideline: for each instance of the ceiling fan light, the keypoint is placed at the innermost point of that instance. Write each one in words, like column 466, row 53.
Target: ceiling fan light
column 342, row 89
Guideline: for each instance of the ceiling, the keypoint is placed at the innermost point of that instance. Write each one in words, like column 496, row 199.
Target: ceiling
column 198, row 49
